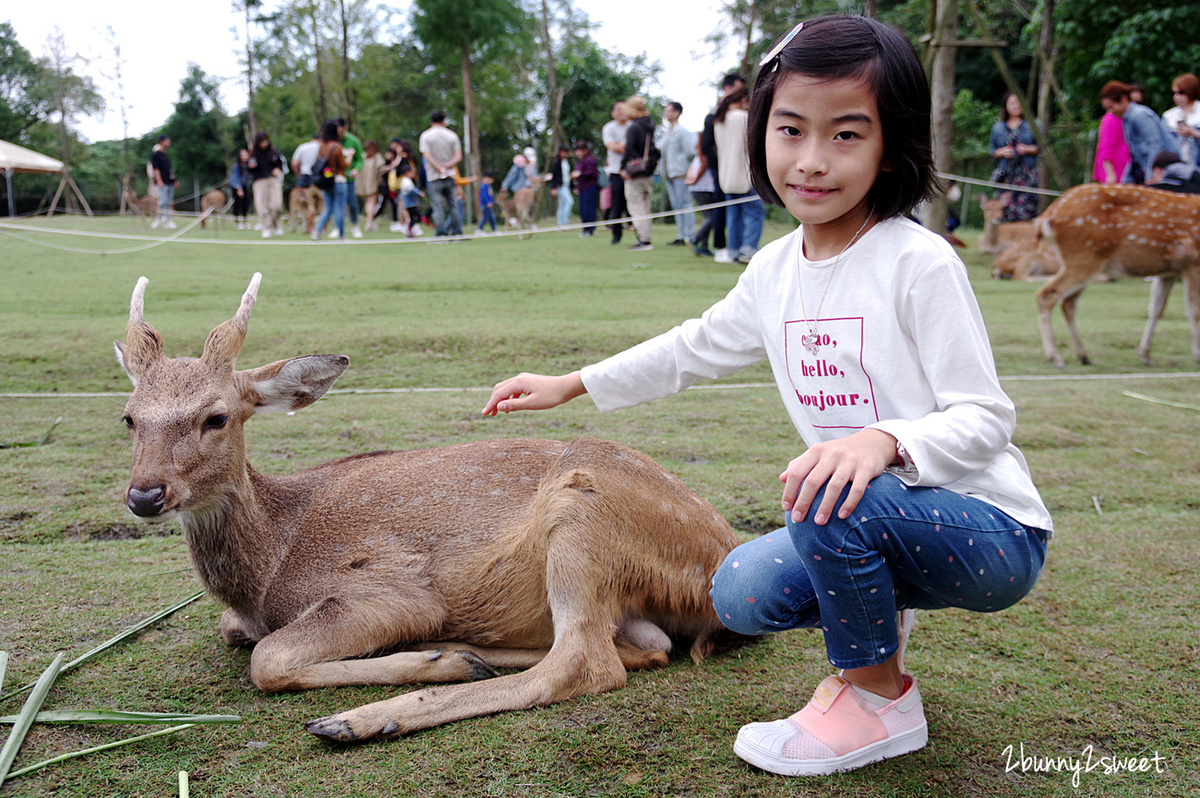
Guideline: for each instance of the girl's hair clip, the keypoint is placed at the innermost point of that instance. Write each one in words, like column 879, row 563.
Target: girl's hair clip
column 777, row 49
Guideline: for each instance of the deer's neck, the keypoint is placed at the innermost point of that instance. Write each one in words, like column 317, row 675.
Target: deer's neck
column 238, row 540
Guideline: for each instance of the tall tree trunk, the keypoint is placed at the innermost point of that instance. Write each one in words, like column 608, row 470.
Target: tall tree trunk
column 472, row 122
column 941, row 86
column 347, row 87
column 553, row 97
column 250, row 118
column 1045, row 89
column 322, row 99
column 751, row 19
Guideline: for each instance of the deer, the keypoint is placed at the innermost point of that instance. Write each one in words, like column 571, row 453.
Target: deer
column 211, row 204
column 144, row 207
column 520, row 208
column 1137, row 230
column 997, row 235
column 576, row 561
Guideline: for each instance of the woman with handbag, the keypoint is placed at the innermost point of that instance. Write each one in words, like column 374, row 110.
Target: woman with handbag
column 637, row 169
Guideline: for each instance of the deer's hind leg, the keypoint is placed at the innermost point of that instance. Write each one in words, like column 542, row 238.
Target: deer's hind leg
column 319, row 648
column 584, row 657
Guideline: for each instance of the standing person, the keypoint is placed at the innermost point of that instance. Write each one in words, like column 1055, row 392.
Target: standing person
column 1112, row 153
column 701, row 183
column 353, row 156
column 309, row 196
column 1014, row 148
column 389, row 184
column 367, row 182
column 487, row 203
column 678, row 148
column 639, row 184
column 1145, row 133
column 335, row 196
column 587, row 186
column 164, row 182
column 613, row 135
column 708, row 148
column 410, row 198
column 266, row 170
column 239, row 185
column 911, row 493
column 561, row 184
column 442, row 152
column 1183, row 120
column 743, row 220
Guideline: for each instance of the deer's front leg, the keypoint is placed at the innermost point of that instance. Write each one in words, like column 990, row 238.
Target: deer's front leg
column 312, row 651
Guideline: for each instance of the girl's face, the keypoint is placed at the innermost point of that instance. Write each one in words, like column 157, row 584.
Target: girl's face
column 824, row 150
column 1012, row 105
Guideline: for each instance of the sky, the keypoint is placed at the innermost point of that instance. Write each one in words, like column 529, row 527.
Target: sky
column 158, row 38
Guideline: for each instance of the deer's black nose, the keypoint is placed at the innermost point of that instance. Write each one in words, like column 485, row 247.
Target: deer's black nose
column 146, row 503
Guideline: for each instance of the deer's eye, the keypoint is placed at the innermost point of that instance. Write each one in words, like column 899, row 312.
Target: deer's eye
column 216, row 421
column 128, row 421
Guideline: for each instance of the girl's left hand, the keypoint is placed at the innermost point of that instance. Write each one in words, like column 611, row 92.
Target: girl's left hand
column 854, row 460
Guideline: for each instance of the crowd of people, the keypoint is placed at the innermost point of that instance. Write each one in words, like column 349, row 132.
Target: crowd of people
column 1134, row 144
column 425, row 184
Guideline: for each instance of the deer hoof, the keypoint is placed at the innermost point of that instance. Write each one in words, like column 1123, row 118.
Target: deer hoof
column 477, row 669
column 334, row 729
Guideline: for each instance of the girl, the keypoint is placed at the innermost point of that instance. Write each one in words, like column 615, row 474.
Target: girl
column 367, row 183
column 743, row 220
column 335, row 198
column 266, row 172
column 911, row 493
column 239, row 183
column 1015, row 151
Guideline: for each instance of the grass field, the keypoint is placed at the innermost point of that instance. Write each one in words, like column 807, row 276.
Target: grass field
column 1102, row 658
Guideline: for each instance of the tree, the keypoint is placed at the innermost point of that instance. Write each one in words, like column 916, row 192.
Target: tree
column 198, row 130
column 22, row 105
column 474, row 30
column 67, row 93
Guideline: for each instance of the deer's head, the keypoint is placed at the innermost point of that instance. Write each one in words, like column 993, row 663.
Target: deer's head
column 186, row 414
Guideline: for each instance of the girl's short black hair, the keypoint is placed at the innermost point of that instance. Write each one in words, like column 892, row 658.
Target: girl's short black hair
column 838, row 47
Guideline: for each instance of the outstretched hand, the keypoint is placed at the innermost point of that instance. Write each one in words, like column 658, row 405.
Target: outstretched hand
column 854, row 460
column 533, row 392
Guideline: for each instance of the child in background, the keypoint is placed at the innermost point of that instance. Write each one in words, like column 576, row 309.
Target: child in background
column 911, row 493
column 700, row 182
column 487, row 203
column 410, row 198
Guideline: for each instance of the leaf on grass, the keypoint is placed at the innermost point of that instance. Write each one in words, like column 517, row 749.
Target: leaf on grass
column 42, row 441
column 119, row 716
column 32, row 704
column 105, row 747
column 112, row 642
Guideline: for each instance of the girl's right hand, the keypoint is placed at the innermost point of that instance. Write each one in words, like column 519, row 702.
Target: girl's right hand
column 533, row 392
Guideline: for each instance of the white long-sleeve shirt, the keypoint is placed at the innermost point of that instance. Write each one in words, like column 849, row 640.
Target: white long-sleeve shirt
column 904, row 350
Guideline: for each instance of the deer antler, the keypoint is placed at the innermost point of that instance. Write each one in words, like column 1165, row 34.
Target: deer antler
column 225, row 342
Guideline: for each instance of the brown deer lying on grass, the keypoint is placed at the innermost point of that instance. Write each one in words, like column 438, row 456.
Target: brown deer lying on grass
column 578, row 561
column 1143, row 232
column 997, row 235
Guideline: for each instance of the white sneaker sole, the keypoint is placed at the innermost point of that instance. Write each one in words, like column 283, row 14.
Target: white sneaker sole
column 896, row 745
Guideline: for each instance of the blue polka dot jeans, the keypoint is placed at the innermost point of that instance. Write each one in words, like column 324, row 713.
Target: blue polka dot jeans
column 902, row 548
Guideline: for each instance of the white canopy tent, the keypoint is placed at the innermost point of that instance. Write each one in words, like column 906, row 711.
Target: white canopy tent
column 14, row 159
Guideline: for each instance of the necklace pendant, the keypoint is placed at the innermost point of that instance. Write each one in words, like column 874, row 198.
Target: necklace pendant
column 809, row 342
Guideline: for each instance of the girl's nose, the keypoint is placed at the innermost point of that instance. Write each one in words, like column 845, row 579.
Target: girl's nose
column 811, row 160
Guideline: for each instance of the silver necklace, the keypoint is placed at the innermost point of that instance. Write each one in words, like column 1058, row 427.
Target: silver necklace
column 812, row 341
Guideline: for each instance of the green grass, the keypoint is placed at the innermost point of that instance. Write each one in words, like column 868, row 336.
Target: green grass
column 1103, row 653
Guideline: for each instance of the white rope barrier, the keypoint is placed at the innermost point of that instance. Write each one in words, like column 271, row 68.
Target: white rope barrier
column 8, row 228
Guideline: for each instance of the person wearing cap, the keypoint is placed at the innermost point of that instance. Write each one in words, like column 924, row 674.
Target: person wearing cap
column 639, row 184
column 587, row 185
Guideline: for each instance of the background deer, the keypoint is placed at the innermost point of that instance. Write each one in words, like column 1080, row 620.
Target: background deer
column 575, row 560
column 1143, row 232
column 998, row 236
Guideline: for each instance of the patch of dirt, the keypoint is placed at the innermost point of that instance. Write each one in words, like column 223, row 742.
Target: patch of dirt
column 99, row 530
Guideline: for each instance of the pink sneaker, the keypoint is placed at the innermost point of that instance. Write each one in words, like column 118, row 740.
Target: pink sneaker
column 838, row 730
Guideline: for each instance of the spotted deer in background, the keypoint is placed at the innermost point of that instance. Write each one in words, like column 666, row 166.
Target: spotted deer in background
column 1136, row 230
column 578, row 561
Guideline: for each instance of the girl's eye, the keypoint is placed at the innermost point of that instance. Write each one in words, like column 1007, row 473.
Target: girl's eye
column 845, row 135
column 788, row 130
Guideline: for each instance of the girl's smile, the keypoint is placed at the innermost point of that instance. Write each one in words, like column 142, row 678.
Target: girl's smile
column 824, row 150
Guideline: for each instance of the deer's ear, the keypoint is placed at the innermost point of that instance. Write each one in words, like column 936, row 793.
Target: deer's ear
column 125, row 363
column 288, row 385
